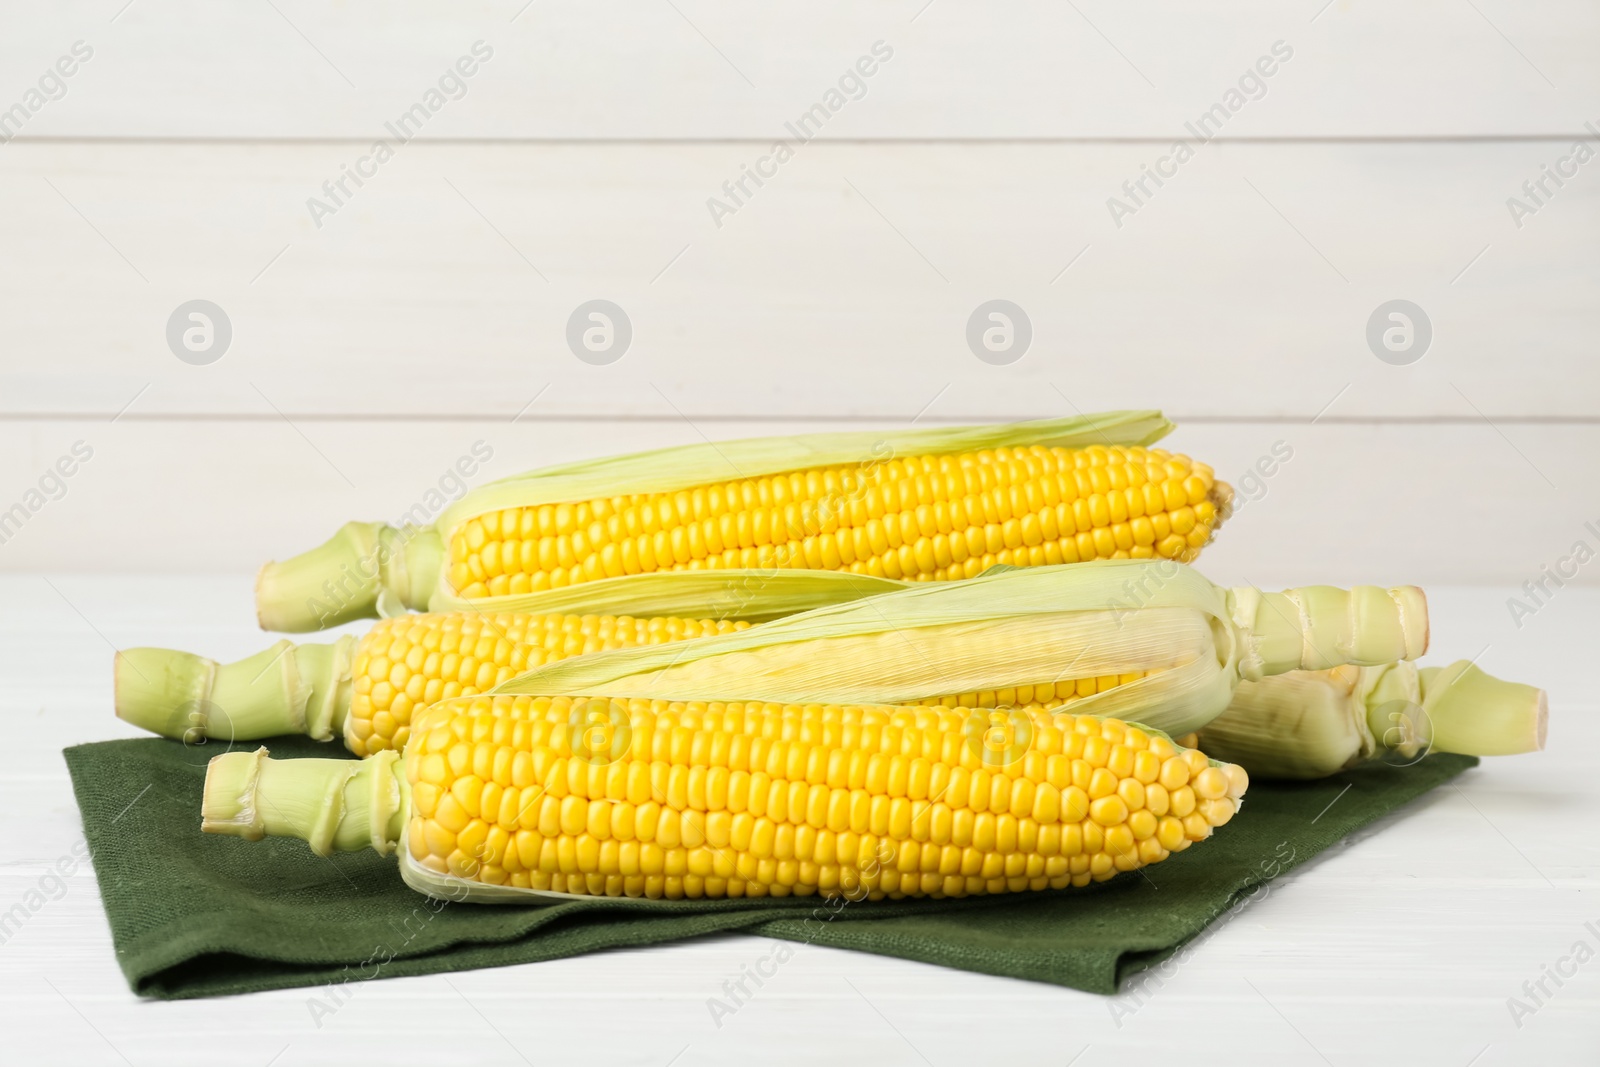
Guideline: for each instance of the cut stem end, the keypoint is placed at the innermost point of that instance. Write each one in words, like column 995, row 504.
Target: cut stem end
column 366, row 570
column 1476, row 714
column 334, row 805
column 285, row 689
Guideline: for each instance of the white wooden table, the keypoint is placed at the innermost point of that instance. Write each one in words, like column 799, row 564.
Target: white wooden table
column 370, row 350
column 1402, row 947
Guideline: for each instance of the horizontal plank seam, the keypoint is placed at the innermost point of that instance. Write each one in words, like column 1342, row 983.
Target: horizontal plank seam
column 1157, row 139
column 759, row 416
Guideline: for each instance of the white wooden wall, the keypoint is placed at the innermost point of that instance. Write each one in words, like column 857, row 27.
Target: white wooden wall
column 429, row 310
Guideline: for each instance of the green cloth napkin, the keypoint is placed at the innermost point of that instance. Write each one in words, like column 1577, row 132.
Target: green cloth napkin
column 196, row 915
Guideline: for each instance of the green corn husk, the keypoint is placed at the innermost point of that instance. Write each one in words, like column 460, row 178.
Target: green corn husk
column 370, row 570
column 1310, row 724
column 1193, row 641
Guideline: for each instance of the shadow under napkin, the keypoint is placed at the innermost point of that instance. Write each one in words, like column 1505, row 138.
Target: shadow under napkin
column 196, row 915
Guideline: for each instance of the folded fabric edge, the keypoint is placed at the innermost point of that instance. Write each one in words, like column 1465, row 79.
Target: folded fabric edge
column 186, row 968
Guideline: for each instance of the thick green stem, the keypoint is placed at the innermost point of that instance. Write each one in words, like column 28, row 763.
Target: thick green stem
column 364, row 571
column 1477, row 714
column 285, row 689
column 1319, row 627
column 1309, row 724
column 335, row 805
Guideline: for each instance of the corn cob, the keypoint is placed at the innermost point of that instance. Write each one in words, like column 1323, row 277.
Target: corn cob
column 1309, row 724
column 369, row 692
column 926, row 518
column 926, row 505
column 1152, row 642
column 366, row 690
column 501, row 798
column 1176, row 645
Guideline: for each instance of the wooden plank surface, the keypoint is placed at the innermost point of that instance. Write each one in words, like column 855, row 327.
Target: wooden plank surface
column 704, row 69
column 1354, row 503
column 378, row 337
column 844, row 287
column 1400, row 948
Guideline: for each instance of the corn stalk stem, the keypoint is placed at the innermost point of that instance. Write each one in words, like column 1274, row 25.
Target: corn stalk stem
column 365, row 571
column 335, row 805
column 1310, row 724
column 1318, row 627
column 1476, row 714
column 284, row 689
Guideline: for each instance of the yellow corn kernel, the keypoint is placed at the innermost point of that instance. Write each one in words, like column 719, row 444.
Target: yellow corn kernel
column 864, row 801
column 405, row 663
column 940, row 518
